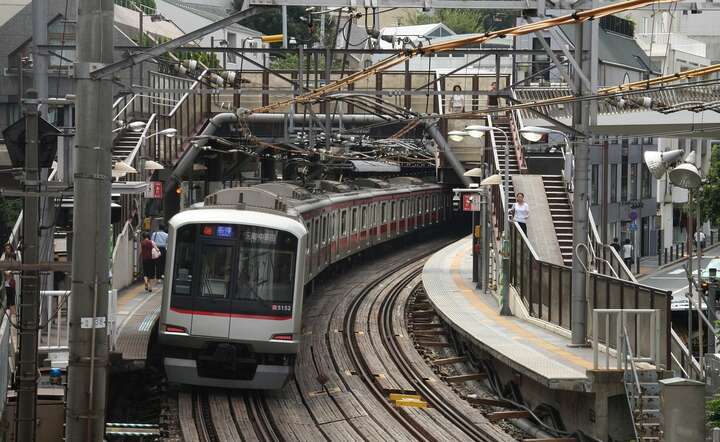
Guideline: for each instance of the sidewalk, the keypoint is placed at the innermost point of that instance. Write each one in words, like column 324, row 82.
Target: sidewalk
column 649, row 264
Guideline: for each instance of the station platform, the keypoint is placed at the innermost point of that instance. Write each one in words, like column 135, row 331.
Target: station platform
column 528, row 348
column 137, row 311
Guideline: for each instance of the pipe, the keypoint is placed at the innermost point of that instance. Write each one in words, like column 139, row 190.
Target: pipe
column 171, row 199
column 301, row 119
column 434, row 132
column 530, row 428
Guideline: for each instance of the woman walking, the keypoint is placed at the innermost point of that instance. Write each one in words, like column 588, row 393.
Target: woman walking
column 149, row 253
column 520, row 211
column 457, row 101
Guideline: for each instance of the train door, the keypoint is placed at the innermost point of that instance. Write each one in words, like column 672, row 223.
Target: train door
column 343, row 245
column 382, row 221
column 211, row 300
column 354, row 236
column 393, row 219
column 332, row 239
column 418, row 213
column 315, row 251
column 362, row 224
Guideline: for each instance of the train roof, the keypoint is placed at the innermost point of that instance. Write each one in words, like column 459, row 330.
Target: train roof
column 294, row 199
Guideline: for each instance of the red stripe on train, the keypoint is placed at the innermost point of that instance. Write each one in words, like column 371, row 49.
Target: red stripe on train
column 183, row 311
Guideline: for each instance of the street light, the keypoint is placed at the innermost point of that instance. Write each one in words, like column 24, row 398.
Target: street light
column 457, row 135
column 505, row 251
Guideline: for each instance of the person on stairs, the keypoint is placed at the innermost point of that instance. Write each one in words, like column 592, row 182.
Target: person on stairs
column 520, row 211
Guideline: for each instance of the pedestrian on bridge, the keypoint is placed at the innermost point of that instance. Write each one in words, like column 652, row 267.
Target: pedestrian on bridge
column 615, row 244
column 627, row 252
column 520, row 211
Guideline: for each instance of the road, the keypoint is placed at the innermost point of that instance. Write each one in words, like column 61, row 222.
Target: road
column 673, row 278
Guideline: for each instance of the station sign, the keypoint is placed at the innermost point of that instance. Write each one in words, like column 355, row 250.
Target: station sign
column 154, row 190
column 471, row 203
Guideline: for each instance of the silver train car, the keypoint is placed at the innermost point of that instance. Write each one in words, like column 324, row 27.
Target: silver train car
column 237, row 267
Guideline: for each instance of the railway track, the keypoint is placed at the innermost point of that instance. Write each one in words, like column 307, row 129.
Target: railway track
column 355, row 352
column 219, row 416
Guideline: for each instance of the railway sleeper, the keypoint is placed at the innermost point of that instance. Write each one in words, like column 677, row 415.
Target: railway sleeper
column 448, row 361
column 464, row 377
column 430, row 333
column 497, row 416
column 431, row 343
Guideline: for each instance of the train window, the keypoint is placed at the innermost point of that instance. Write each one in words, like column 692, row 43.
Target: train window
column 434, row 202
column 184, row 254
column 323, row 238
column 402, row 209
column 383, row 212
column 316, row 231
column 215, row 267
column 392, row 211
column 266, row 268
column 363, row 217
column 308, row 226
column 343, row 223
column 353, row 220
column 372, row 215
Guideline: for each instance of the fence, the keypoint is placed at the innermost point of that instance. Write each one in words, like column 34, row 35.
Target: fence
column 681, row 250
column 644, row 329
column 546, row 288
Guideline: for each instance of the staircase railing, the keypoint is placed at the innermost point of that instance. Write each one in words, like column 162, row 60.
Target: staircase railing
column 633, row 389
column 517, row 142
column 188, row 114
column 497, row 193
column 546, row 290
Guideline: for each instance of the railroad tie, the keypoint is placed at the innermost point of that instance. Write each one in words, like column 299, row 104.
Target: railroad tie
column 487, row 401
column 430, row 333
column 464, row 377
column 497, row 416
column 448, row 361
column 431, row 343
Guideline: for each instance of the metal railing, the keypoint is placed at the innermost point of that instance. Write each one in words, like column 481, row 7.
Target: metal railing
column 189, row 113
column 55, row 327
column 609, row 260
column 124, row 258
column 545, row 289
column 5, row 366
column 647, row 332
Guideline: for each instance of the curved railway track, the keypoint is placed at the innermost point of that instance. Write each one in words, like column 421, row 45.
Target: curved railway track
column 355, row 352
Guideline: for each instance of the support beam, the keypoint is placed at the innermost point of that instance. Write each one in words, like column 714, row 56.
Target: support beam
column 434, row 132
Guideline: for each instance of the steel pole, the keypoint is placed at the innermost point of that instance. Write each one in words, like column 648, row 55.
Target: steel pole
column 40, row 52
column 29, row 298
column 578, row 324
column 88, row 359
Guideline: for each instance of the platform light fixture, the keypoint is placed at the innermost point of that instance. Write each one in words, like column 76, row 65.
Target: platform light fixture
column 153, row 165
column 535, row 133
column 457, row 135
column 476, row 131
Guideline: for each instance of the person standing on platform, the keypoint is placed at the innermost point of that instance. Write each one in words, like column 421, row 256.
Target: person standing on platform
column 627, row 253
column 160, row 239
column 520, row 211
column 150, row 254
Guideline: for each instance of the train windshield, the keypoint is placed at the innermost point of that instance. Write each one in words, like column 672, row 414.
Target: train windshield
column 251, row 268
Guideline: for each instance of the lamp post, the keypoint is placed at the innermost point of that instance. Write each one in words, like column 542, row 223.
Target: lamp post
column 477, row 131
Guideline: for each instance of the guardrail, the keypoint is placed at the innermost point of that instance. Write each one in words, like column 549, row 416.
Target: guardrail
column 647, row 333
column 546, row 288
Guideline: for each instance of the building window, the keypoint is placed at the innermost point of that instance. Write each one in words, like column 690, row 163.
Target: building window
column 613, row 182
column 645, row 181
column 594, row 183
column 633, row 181
column 231, row 43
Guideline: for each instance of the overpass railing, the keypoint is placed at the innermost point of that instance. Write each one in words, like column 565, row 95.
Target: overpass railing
column 546, row 291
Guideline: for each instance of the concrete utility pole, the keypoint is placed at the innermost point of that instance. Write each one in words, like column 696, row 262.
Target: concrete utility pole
column 87, row 367
column 578, row 324
column 27, row 365
column 40, row 52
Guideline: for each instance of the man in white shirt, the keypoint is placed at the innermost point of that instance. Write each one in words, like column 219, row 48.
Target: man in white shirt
column 700, row 238
column 627, row 253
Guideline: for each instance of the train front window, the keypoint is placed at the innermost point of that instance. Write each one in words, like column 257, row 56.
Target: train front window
column 216, row 265
column 184, row 254
column 266, row 265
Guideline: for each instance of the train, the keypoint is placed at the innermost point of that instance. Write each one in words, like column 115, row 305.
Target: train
column 239, row 262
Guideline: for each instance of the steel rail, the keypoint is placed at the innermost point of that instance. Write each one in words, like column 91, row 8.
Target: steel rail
column 428, row 393
column 260, row 418
column 203, row 419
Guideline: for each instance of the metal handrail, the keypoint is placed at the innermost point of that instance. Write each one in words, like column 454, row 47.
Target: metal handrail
column 130, row 159
column 185, row 96
column 635, row 378
column 686, row 352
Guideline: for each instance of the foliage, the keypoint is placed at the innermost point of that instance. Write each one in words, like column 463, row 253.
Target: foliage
column 712, row 412
column 269, row 22
column 9, row 211
column 465, row 21
column 290, row 62
column 709, row 195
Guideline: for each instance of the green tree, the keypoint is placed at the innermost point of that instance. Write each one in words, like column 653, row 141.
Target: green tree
column 465, row 21
column 709, row 195
column 9, row 211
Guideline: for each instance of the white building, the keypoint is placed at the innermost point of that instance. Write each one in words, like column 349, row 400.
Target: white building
column 190, row 16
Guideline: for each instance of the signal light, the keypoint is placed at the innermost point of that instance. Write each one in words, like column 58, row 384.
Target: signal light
column 456, row 202
column 175, row 329
column 208, row 231
column 178, row 190
column 283, row 337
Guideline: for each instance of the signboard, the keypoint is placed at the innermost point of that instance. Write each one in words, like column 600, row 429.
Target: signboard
column 471, row 203
column 633, row 227
column 633, row 215
column 154, row 190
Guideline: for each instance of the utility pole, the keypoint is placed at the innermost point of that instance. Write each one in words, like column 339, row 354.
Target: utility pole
column 40, row 52
column 578, row 324
column 87, row 365
column 27, row 365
